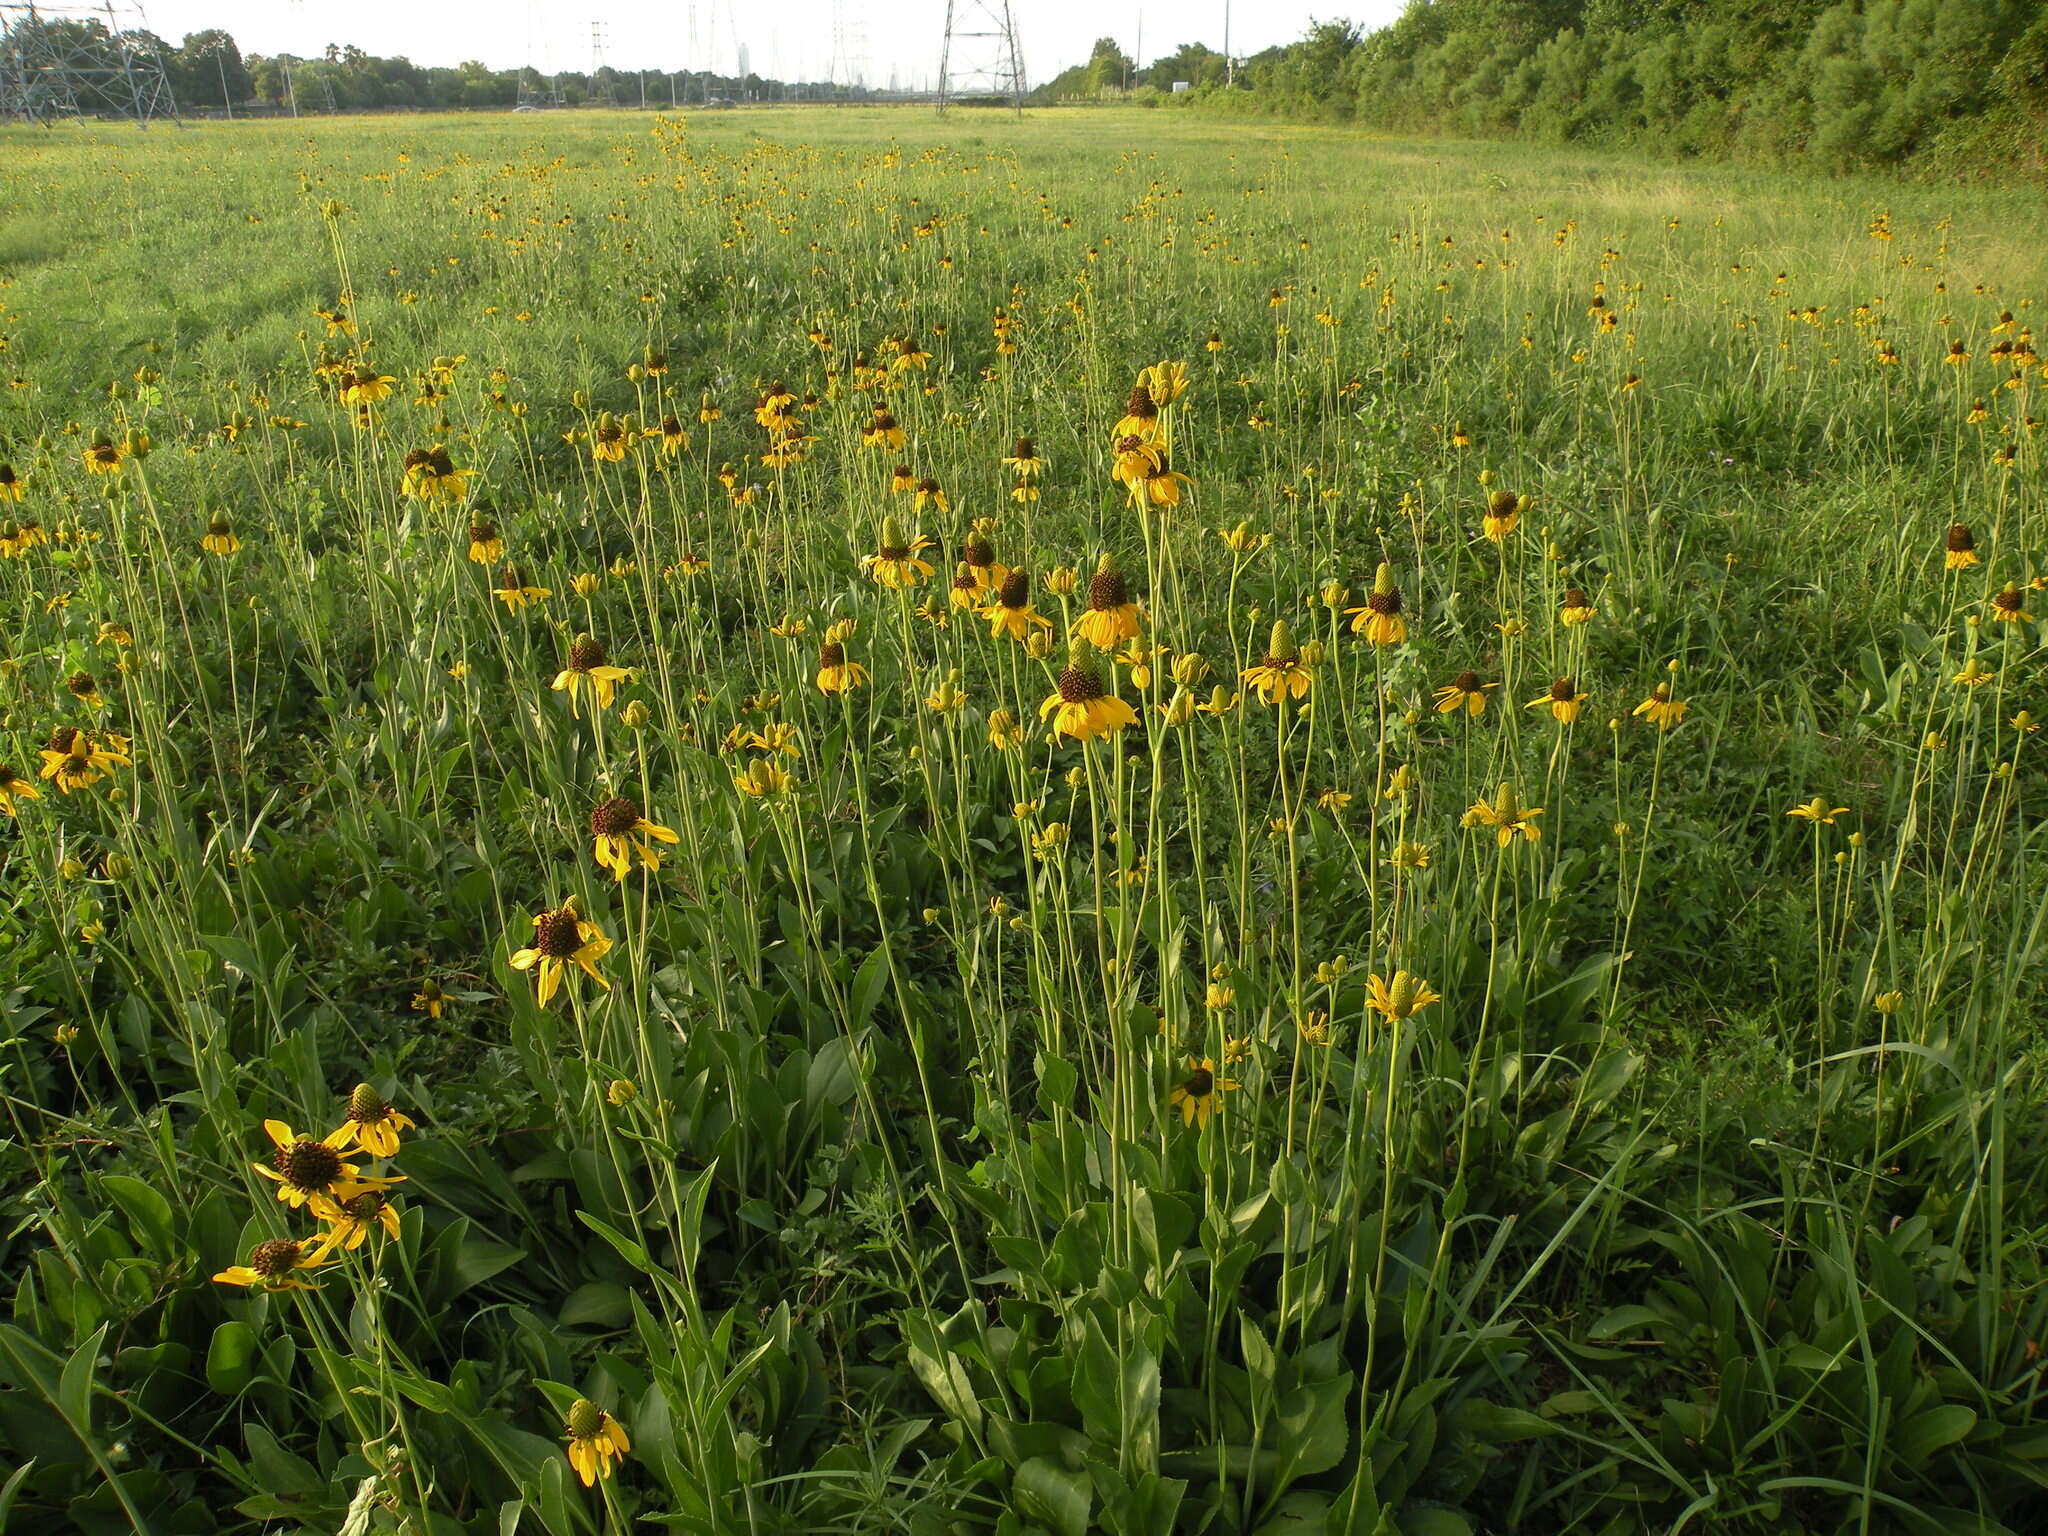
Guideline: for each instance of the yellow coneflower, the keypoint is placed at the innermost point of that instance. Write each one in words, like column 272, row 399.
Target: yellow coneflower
column 1466, row 692
column 514, row 591
column 1509, row 818
column 1380, row 619
column 274, row 1265
column 85, row 688
column 675, row 438
column 1402, row 998
column 1024, row 460
column 485, row 545
column 761, row 779
column 596, row 1440
column 901, row 480
column 430, row 999
column 1961, row 547
column 307, row 1168
column 967, row 589
column 1221, row 701
column 882, row 431
column 562, row 937
column 13, row 787
column 588, row 669
column 1165, row 381
column 1111, row 617
column 1974, row 674
column 1012, row 613
column 1818, row 810
column 1158, row 483
column 895, row 563
column 948, row 696
column 610, row 438
column 432, row 476
column 2006, row 606
column 1197, row 1095
column 619, row 832
column 348, row 1221
column 1408, row 855
column 77, row 759
column 12, row 487
column 1215, row 341
column 907, row 355
column 1241, row 540
column 372, row 1123
column 1564, row 701
column 220, row 536
column 1333, row 800
column 1005, row 731
column 1660, row 709
column 366, row 386
column 1080, row 707
column 1503, row 510
column 835, row 673
column 931, row 494
column 104, row 458
column 707, row 410
column 1140, row 419
column 1282, row 674
column 1576, row 608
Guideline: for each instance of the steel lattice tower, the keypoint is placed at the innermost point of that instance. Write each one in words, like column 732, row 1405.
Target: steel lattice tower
column 990, row 62
column 68, row 60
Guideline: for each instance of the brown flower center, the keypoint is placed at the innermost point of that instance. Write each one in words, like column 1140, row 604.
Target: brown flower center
column 1016, row 590
column 585, row 653
column 1575, row 598
column 1108, row 591
column 1466, row 682
column 556, row 934
column 310, row 1166
column 615, row 818
column 1960, row 539
column 275, row 1259
column 1384, row 602
column 1200, row 1084
column 1079, row 685
column 1562, row 692
column 831, row 654
column 1140, row 404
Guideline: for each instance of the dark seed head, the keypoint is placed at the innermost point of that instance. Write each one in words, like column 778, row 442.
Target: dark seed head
column 1016, row 590
column 63, row 739
column 1078, row 685
column 1960, row 539
column 218, row 525
column 831, row 654
column 615, row 818
column 1562, row 691
column 1140, row 404
column 584, row 653
column 885, row 421
column 1384, row 602
column 275, row 1259
column 928, row 487
column 311, row 1166
column 1200, row 1084
column 1107, row 590
column 1575, row 597
column 975, row 549
column 1026, row 449
column 1503, row 503
column 81, row 684
column 555, row 935
column 1466, row 682
column 482, row 531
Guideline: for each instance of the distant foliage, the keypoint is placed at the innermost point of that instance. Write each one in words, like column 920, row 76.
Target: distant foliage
column 1960, row 83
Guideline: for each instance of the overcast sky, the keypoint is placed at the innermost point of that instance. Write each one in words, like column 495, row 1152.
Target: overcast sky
column 788, row 40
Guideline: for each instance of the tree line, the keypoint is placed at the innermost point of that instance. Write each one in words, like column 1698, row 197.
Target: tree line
column 1959, row 84
column 209, row 72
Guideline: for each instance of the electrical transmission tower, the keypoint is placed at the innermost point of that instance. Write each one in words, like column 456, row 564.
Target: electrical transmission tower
column 981, row 55
column 600, row 88
column 71, row 60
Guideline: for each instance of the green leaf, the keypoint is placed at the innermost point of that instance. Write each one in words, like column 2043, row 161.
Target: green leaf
column 1047, row 1492
column 1921, row 1436
column 600, row 1304
column 148, row 1213
column 231, row 1358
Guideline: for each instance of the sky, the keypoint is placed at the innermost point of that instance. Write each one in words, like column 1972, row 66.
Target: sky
column 789, row 39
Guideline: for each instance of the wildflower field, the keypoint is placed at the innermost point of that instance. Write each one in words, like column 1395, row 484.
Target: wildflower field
column 833, row 822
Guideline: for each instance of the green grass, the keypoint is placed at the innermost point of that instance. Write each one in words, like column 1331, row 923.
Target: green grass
column 1706, row 1196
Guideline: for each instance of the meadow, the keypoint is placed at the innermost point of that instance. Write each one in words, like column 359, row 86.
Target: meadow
column 828, row 821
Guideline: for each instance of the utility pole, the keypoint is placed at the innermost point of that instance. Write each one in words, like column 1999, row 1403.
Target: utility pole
column 1229, row 64
column 220, row 62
